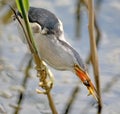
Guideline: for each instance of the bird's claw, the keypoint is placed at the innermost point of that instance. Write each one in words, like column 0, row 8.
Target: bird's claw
column 48, row 84
column 46, row 79
column 47, row 87
column 40, row 91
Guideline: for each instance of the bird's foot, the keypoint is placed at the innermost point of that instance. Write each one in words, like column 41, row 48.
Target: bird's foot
column 46, row 79
column 46, row 86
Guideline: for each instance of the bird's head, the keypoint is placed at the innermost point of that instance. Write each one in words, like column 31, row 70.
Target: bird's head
column 83, row 75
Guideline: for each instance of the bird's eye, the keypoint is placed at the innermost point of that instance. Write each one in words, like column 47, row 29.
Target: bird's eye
column 86, row 83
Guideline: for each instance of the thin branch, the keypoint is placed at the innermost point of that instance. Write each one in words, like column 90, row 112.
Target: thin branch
column 51, row 104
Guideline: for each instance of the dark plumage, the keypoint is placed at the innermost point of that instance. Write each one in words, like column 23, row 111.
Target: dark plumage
column 43, row 17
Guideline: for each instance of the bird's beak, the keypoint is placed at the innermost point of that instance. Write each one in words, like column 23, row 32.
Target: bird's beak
column 86, row 81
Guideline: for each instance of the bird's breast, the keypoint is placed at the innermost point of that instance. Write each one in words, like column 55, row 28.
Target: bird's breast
column 53, row 52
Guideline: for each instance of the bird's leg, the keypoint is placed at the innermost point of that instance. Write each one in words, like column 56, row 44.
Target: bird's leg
column 45, row 83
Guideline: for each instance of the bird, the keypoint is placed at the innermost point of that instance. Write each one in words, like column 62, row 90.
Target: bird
column 53, row 48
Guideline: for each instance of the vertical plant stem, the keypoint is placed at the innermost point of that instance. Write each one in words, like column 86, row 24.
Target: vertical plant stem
column 93, row 50
column 29, row 31
column 51, row 104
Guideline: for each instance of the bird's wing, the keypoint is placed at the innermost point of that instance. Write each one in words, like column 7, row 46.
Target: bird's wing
column 77, row 58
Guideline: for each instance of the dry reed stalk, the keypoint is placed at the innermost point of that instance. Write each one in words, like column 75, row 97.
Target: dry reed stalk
column 93, row 50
